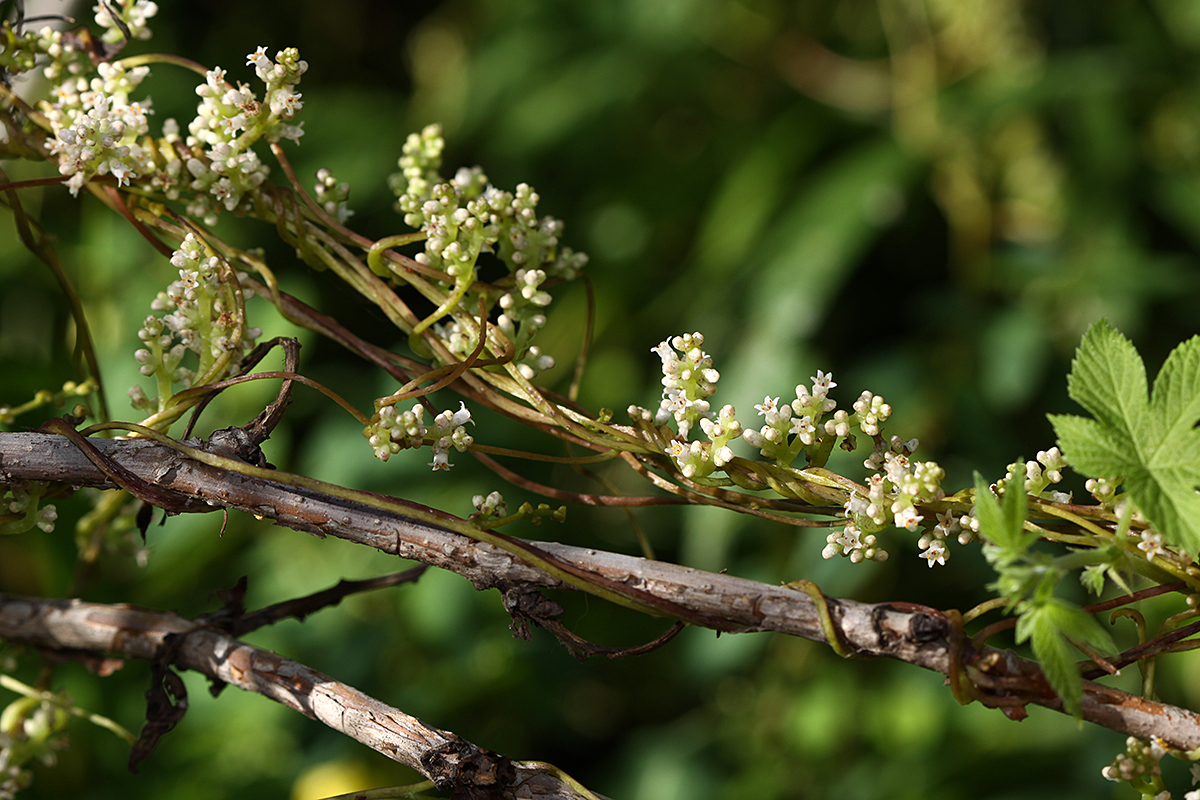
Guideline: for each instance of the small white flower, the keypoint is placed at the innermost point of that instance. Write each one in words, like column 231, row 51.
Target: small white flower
column 462, row 416
column 1151, row 545
column 804, row 428
column 908, row 517
column 254, row 57
column 851, row 538
column 120, row 171
column 935, row 554
column 822, row 383
column 767, row 406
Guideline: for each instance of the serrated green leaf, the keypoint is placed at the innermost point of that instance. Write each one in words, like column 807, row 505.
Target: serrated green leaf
column 1094, row 449
column 1092, row 577
column 1107, row 376
column 1025, row 623
column 1151, row 441
column 1055, row 656
column 1003, row 524
column 1175, row 395
column 1047, row 626
column 1074, row 622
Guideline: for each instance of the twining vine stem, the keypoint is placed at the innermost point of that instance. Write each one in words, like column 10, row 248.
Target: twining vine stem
column 915, row 634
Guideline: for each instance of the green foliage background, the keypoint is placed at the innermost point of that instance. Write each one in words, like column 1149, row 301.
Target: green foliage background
column 931, row 198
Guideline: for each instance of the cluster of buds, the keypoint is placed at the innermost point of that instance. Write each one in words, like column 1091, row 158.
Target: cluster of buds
column 67, row 58
column 1103, row 490
column 96, row 131
column 802, row 425
column 32, row 728
column 465, row 217
column 687, row 382
column 1044, row 472
column 201, row 317
column 20, row 504
column 419, row 164
column 390, row 431
column 490, row 507
column 894, row 492
column 222, row 166
column 1139, row 761
column 699, row 459
column 332, row 195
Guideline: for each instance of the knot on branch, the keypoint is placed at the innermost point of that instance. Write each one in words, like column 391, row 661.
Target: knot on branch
column 469, row 772
column 925, row 627
column 233, row 442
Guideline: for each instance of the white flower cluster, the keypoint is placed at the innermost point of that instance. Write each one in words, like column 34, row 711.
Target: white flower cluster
column 803, row 420
column 893, row 493
column 96, row 127
column 66, row 55
column 933, row 541
column 391, row 431
column 852, row 543
column 200, row 318
column 687, row 381
column 698, row 459
column 228, row 120
column 465, row 217
column 808, row 409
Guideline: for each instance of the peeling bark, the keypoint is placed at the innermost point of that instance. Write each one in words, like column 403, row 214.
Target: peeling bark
column 451, row 762
column 916, row 634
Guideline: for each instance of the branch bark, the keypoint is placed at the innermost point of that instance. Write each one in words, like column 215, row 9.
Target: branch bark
column 451, row 762
column 916, row 634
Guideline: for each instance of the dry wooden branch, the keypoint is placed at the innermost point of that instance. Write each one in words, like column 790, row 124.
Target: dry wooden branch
column 451, row 762
column 915, row 634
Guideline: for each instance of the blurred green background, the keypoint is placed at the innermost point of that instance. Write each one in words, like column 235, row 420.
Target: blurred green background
column 931, row 198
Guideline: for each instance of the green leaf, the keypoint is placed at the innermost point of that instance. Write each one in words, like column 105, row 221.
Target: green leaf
column 1047, row 626
column 1054, row 654
column 1093, row 577
column 1004, row 525
column 1075, row 623
column 1152, row 442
